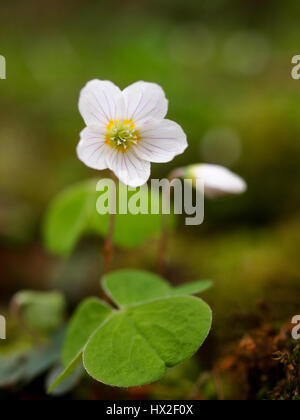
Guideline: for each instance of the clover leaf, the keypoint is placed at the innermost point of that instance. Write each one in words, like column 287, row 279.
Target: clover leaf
column 127, row 287
column 154, row 327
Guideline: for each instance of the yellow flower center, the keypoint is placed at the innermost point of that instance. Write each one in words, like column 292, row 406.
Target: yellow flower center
column 122, row 135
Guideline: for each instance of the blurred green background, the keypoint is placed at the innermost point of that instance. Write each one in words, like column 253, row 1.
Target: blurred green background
column 226, row 68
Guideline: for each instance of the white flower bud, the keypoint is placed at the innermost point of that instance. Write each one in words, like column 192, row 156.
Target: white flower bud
column 218, row 181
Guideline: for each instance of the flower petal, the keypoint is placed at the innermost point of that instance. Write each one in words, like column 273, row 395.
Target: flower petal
column 218, row 180
column 161, row 141
column 100, row 102
column 92, row 149
column 145, row 101
column 129, row 168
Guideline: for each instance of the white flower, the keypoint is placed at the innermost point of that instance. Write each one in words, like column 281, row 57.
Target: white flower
column 126, row 130
column 218, row 181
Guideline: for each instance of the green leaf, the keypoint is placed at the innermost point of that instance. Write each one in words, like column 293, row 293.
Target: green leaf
column 137, row 345
column 66, row 373
column 66, row 385
column 40, row 311
column 175, row 327
column 73, row 213
column 88, row 316
column 119, row 355
column 192, row 288
column 127, row 287
column 40, row 359
column 152, row 330
column 68, row 217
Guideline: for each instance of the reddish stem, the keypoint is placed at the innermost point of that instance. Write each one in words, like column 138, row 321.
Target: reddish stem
column 109, row 249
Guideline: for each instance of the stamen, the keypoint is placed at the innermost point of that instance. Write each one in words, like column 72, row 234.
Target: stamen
column 121, row 135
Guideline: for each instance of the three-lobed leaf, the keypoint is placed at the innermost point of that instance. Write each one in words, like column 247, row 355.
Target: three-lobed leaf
column 136, row 346
column 156, row 327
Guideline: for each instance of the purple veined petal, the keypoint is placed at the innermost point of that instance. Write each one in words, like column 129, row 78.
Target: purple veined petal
column 130, row 170
column 161, row 141
column 101, row 102
column 92, row 149
column 145, row 101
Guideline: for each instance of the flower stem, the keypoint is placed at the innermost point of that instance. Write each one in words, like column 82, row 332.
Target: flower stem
column 163, row 246
column 109, row 249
